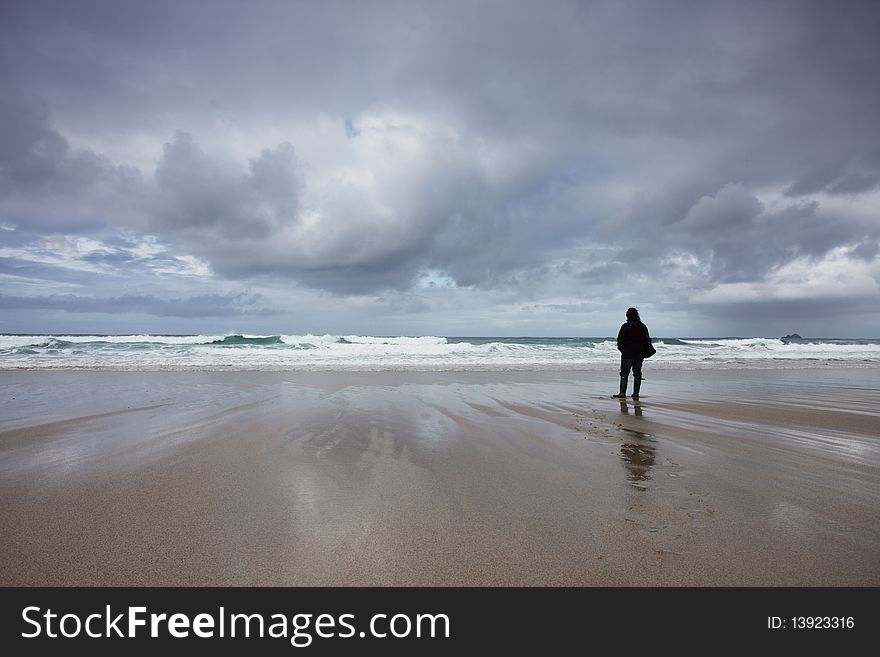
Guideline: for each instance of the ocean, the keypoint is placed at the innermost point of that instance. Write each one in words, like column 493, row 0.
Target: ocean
column 427, row 353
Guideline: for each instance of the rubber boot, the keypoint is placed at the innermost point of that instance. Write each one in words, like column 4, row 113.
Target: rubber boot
column 637, row 384
column 622, row 392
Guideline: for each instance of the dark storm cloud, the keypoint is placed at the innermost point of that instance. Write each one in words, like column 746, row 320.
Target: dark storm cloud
column 199, row 198
column 206, row 305
column 31, row 152
column 504, row 145
column 47, row 183
column 850, row 178
column 34, row 157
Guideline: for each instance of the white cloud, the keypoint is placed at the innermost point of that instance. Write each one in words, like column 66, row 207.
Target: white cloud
column 85, row 254
column 65, row 251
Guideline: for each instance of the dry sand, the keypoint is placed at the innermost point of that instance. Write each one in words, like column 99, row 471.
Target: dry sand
column 469, row 478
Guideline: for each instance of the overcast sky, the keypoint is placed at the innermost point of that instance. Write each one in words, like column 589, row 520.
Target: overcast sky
column 441, row 168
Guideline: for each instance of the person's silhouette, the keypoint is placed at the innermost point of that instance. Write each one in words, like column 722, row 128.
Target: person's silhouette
column 634, row 345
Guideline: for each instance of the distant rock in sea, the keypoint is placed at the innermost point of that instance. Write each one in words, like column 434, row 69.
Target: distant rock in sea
column 793, row 336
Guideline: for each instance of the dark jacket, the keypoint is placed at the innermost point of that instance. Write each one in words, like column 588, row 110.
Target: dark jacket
column 632, row 339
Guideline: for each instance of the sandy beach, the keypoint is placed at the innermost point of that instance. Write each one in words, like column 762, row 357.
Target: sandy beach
column 440, row 478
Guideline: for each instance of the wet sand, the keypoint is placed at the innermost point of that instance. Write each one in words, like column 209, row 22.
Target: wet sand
column 467, row 478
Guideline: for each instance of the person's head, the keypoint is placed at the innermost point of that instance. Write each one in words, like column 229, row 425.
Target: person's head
column 633, row 313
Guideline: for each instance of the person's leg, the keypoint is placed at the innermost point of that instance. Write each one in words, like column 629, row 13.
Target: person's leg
column 625, row 366
column 637, row 376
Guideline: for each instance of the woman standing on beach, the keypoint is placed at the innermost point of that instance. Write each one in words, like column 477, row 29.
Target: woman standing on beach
column 634, row 345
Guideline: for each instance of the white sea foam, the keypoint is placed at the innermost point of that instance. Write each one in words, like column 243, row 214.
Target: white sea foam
column 358, row 352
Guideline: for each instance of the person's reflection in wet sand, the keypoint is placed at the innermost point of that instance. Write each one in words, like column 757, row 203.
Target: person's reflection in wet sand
column 624, row 408
column 638, row 457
